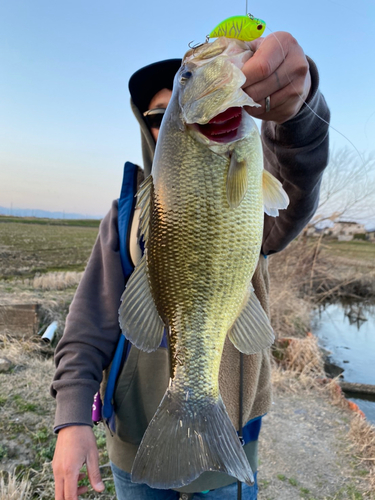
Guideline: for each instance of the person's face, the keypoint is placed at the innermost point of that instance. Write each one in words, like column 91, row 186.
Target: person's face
column 160, row 100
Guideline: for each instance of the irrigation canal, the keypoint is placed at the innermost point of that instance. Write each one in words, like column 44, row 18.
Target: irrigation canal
column 347, row 330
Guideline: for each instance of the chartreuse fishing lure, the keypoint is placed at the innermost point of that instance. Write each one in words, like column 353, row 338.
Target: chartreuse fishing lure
column 246, row 28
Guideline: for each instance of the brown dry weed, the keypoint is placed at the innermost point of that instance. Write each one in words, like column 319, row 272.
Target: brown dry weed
column 290, row 311
column 56, row 281
column 363, row 436
column 13, row 488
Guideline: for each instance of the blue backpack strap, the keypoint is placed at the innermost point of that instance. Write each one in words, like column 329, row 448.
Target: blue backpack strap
column 126, row 206
column 250, row 432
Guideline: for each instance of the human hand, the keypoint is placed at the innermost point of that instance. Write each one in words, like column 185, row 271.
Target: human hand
column 76, row 445
column 278, row 69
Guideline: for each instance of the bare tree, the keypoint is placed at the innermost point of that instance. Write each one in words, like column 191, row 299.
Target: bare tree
column 348, row 188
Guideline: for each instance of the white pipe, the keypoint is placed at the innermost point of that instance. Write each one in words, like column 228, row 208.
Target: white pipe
column 50, row 332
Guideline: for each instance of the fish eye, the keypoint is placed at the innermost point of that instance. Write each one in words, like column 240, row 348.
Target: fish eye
column 259, row 27
column 185, row 76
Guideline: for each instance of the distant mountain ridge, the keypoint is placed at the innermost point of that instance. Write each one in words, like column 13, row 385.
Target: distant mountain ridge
column 44, row 214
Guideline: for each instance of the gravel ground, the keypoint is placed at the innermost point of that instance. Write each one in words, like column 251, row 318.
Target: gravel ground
column 305, row 453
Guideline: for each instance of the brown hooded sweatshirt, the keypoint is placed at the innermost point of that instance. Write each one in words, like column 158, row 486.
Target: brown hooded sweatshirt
column 296, row 152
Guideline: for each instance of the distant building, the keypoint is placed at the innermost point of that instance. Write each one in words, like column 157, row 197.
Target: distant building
column 371, row 236
column 346, row 230
column 311, row 230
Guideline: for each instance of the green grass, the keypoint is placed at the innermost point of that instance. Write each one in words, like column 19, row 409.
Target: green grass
column 304, row 491
column 27, row 249
column 42, row 435
column 263, row 483
column 3, row 452
column 23, row 405
column 45, row 452
column 51, row 222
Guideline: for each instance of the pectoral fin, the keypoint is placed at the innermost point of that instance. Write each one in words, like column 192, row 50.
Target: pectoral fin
column 138, row 316
column 274, row 196
column 252, row 331
column 237, row 180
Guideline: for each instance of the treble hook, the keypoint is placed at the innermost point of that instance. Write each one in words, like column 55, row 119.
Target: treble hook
column 197, row 45
column 194, row 46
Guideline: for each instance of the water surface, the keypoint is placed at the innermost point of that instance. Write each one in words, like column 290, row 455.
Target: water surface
column 348, row 332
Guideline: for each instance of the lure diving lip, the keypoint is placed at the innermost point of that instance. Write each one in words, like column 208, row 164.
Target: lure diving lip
column 223, row 127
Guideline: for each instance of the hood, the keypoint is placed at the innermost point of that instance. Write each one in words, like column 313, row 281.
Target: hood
column 143, row 85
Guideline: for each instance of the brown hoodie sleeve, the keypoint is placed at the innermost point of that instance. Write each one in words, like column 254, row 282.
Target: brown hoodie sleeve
column 92, row 329
column 296, row 152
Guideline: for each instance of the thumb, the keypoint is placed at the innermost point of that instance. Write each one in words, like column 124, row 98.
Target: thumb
column 94, row 473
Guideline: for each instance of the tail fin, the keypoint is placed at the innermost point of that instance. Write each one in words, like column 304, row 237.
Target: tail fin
column 186, row 438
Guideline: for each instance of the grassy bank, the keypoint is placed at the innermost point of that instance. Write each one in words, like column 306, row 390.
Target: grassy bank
column 42, row 266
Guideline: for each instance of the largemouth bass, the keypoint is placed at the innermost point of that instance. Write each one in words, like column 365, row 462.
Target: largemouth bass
column 202, row 222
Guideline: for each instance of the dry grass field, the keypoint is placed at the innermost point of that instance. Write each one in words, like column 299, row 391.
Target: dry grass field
column 42, row 263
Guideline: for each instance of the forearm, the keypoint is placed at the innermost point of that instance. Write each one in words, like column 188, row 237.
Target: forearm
column 92, row 330
column 296, row 152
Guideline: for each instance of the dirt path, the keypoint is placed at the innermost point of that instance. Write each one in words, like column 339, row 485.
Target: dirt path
column 304, row 451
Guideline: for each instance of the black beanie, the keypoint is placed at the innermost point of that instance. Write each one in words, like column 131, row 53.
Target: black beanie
column 147, row 81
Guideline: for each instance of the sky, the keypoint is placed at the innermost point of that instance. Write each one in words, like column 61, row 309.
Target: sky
column 66, row 127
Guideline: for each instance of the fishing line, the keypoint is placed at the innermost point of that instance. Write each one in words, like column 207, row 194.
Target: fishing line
column 309, row 107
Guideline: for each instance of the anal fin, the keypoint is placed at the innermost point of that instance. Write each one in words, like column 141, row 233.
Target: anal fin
column 252, row 331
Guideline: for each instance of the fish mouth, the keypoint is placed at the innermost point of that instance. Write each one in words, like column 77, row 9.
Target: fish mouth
column 223, row 127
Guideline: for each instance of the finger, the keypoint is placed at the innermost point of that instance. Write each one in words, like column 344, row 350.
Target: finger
column 255, row 44
column 279, row 89
column 267, row 87
column 81, row 476
column 94, row 472
column 71, row 485
column 82, row 490
column 277, row 99
column 59, row 489
column 268, row 57
column 283, row 106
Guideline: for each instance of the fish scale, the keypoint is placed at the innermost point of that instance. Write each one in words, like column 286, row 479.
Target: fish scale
column 210, row 295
